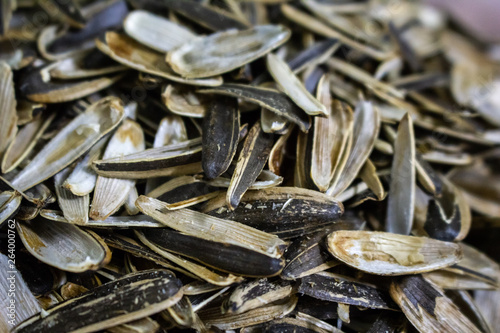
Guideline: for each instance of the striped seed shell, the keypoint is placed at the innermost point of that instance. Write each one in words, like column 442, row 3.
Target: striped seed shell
column 308, row 255
column 26, row 305
column 336, row 288
column 111, row 222
column 211, row 228
column 9, row 204
column 270, row 99
column 385, row 253
column 131, row 246
column 219, row 255
column 313, row 55
column 175, row 159
column 25, row 141
column 55, row 42
column 71, row 142
column 474, row 271
column 171, row 130
column 82, row 179
column 266, row 179
column 210, row 17
column 37, row 89
column 182, row 189
column 368, row 174
column 365, row 133
column 182, row 312
column 192, row 268
column 428, row 308
column 447, row 215
column 213, row 316
column 316, row 26
column 75, row 208
column 251, row 161
column 330, row 136
column 83, row 65
column 185, row 102
column 128, row 298
column 111, row 193
column 254, row 294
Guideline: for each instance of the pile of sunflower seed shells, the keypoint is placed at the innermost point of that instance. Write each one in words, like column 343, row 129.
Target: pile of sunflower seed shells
column 247, row 166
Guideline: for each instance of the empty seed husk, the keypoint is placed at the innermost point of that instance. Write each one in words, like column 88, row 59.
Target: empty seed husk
column 297, row 163
column 154, row 162
column 270, row 99
column 77, row 137
column 251, row 295
column 212, row 228
column 225, row 51
column 75, row 208
column 292, row 86
column 111, row 308
column 63, row 245
column 210, row 17
column 111, row 193
column 219, row 255
column 213, row 316
column 426, row 306
column 335, row 288
column 130, row 53
column 253, row 156
column 401, row 202
column 391, row 254
column 194, row 269
column 155, row 31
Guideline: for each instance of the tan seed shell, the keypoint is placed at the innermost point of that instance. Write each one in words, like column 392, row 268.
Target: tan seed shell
column 224, row 51
column 292, row 86
column 63, row 245
column 8, row 116
column 130, row 53
column 384, row 253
